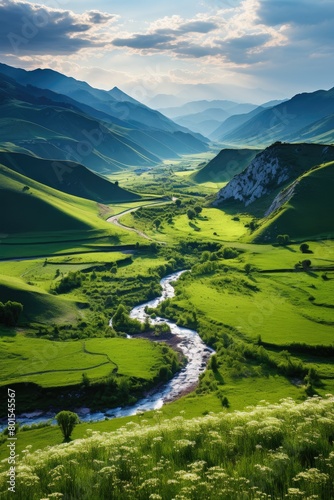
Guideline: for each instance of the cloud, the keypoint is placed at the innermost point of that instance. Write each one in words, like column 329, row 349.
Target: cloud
column 198, row 27
column 173, row 35
column 37, row 29
column 228, row 36
column 150, row 41
column 298, row 12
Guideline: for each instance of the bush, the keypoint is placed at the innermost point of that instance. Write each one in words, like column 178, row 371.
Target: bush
column 67, row 420
column 304, row 248
column 10, row 313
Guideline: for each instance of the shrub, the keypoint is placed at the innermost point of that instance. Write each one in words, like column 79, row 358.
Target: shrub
column 67, row 420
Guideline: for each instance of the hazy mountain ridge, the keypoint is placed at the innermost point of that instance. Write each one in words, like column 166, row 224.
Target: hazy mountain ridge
column 286, row 121
column 120, row 117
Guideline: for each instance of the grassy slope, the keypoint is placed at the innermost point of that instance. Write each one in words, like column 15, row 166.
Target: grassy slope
column 58, row 364
column 44, row 208
column 275, row 451
column 225, row 165
column 39, row 306
column 69, row 177
column 308, row 214
column 39, row 217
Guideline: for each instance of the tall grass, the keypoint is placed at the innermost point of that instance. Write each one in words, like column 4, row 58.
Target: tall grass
column 282, row 451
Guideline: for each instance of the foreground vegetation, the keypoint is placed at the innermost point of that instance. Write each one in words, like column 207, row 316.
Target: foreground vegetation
column 267, row 452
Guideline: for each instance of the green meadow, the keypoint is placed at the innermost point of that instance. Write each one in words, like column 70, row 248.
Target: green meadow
column 59, row 364
column 269, row 320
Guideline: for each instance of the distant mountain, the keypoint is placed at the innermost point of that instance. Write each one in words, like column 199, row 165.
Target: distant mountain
column 256, row 187
column 60, row 131
column 319, row 131
column 232, row 123
column 194, row 107
column 57, row 127
column 225, row 165
column 114, row 107
column 204, row 122
column 66, row 176
column 292, row 120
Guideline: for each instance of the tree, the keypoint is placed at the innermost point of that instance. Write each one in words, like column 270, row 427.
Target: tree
column 10, row 313
column 67, row 421
column 306, row 264
column 157, row 223
column 304, row 248
column 248, row 268
column 191, row 214
column 198, row 209
column 283, row 239
column 178, row 202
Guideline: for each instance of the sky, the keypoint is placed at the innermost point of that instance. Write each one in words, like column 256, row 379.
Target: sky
column 245, row 50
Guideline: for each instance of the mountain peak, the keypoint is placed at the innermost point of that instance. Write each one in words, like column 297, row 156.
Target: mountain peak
column 121, row 96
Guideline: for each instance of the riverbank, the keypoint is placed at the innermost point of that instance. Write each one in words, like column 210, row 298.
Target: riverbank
column 186, row 341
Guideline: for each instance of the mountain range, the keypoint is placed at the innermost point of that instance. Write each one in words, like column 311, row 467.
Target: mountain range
column 55, row 116
column 306, row 117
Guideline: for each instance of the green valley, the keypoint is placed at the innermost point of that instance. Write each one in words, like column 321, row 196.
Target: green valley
column 177, row 296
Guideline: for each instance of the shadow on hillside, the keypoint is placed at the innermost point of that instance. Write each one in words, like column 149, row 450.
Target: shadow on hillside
column 194, row 227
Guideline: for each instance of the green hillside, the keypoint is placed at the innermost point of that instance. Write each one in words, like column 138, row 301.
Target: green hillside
column 75, row 135
column 33, row 207
column 38, row 306
column 321, row 131
column 225, row 165
column 66, row 176
column 309, row 213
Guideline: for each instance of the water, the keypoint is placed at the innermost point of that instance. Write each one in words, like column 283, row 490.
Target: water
column 191, row 345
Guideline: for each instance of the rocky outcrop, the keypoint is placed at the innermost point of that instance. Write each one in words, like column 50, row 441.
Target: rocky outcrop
column 273, row 170
column 263, row 174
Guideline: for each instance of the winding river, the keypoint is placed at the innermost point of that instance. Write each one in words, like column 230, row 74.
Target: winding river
column 191, row 345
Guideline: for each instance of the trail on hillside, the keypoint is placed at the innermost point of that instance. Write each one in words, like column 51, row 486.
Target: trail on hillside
column 114, row 219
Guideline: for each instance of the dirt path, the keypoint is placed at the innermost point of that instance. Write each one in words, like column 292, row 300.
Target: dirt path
column 114, row 219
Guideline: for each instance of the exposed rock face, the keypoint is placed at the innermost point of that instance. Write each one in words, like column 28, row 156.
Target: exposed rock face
column 283, row 197
column 273, row 169
column 264, row 174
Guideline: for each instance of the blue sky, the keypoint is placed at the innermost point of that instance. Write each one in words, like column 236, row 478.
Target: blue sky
column 248, row 50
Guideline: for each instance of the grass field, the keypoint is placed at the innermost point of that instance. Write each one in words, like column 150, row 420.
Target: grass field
column 224, row 303
column 211, row 225
column 59, row 364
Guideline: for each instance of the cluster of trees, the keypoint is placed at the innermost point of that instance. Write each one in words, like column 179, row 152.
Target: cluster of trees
column 10, row 313
column 72, row 280
column 192, row 213
column 122, row 322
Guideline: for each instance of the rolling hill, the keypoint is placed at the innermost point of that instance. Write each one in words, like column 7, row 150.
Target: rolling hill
column 304, row 210
column 225, row 165
column 38, row 305
column 269, row 172
column 66, row 176
column 31, row 207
